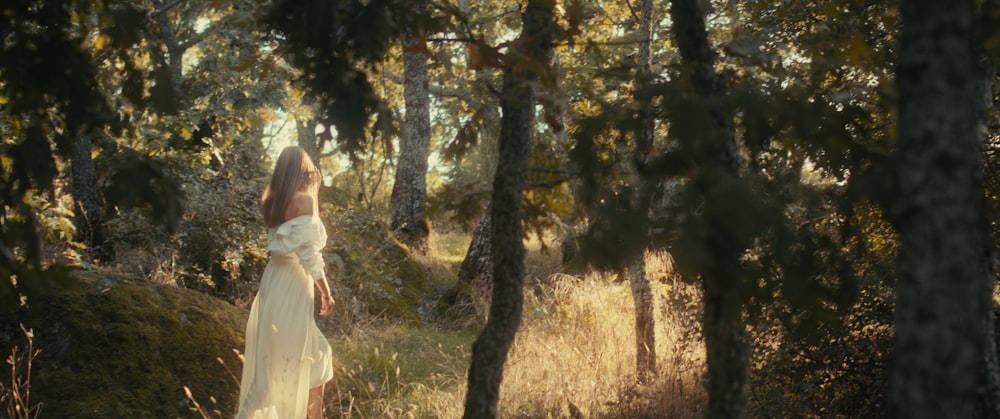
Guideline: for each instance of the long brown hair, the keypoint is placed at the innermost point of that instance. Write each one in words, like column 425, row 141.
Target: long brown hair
column 293, row 172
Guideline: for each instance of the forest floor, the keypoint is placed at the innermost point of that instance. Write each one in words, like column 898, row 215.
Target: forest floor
column 574, row 355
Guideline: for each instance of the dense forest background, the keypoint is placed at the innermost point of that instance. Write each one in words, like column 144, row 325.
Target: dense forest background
column 539, row 208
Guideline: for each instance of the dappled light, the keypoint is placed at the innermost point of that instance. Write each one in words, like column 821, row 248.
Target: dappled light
column 511, row 208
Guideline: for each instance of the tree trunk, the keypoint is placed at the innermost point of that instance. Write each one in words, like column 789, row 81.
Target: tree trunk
column 409, row 192
column 305, row 136
column 939, row 337
column 990, row 380
column 489, row 352
column 990, row 377
column 645, row 331
column 476, row 270
column 642, row 295
column 87, row 206
column 175, row 51
column 726, row 344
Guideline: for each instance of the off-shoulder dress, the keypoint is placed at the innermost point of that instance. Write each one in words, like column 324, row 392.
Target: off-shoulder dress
column 286, row 354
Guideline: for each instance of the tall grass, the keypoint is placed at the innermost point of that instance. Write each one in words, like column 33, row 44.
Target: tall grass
column 396, row 371
column 574, row 355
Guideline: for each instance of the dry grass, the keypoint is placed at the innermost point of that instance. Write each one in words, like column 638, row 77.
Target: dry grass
column 573, row 357
column 15, row 391
column 575, row 353
column 397, row 371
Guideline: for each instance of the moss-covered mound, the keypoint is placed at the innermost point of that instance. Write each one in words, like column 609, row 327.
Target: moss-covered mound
column 378, row 270
column 120, row 347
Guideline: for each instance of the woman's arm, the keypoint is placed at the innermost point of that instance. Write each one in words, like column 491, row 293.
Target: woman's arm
column 326, row 300
column 305, row 204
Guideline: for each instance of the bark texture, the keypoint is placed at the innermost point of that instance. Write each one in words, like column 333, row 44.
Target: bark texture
column 642, row 295
column 939, row 336
column 489, row 352
column 990, row 378
column 87, row 203
column 409, row 191
column 476, row 270
column 990, row 385
column 477, row 266
column 175, row 50
column 645, row 330
column 726, row 343
column 305, row 132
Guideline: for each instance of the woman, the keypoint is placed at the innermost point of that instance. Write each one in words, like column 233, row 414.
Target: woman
column 287, row 360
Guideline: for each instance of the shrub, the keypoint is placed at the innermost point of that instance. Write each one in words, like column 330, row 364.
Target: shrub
column 368, row 265
column 839, row 369
column 219, row 246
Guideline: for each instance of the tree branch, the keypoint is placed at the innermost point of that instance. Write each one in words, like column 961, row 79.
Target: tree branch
column 439, row 90
column 163, row 8
column 152, row 16
column 546, row 185
column 198, row 38
column 456, row 39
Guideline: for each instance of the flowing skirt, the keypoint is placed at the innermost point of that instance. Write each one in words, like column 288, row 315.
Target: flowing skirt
column 286, row 353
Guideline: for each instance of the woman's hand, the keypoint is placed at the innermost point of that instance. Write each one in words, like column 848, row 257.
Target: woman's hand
column 326, row 305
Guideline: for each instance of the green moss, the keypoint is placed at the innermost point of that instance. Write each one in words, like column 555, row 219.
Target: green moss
column 115, row 346
column 379, row 270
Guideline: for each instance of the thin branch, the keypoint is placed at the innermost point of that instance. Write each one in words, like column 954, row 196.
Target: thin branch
column 103, row 56
column 632, row 11
column 546, row 185
column 163, row 9
column 438, row 90
column 274, row 134
column 152, row 16
column 546, row 171
column 808, row 10
column 455, row 39
column 499, row 15
column 235, row 18
column 199, row 37
column 529, row 185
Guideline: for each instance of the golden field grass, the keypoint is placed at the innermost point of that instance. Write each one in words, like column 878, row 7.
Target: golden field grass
column 574, row 355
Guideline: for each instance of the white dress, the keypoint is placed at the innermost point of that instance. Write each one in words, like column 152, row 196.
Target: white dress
column 286, row 354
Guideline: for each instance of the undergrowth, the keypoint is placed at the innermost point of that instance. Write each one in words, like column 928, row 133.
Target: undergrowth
column 15, row 390
column 573, row 356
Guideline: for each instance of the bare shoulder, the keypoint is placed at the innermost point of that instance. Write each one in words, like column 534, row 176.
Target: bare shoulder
column 301, row 204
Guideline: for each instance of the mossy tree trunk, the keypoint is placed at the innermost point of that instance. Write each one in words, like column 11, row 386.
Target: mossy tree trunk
column 489, row 352
column 726, row 343
column 939, row 336
column 409, row 191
